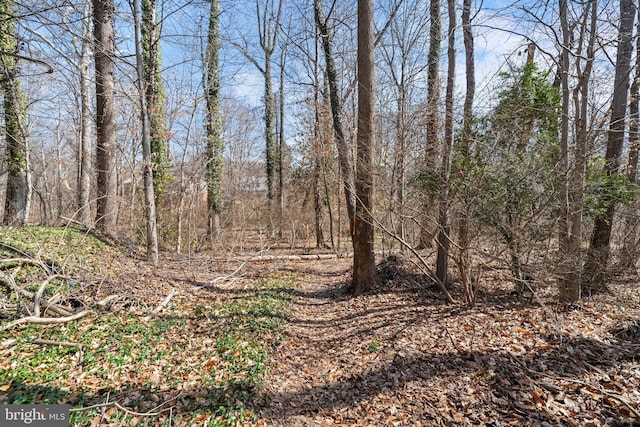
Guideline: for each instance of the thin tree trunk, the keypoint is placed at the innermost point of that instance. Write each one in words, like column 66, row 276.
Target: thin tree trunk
column 103, row 21
column 600, row 248
column 215, row 143
column 84, row 161
column 467, row 130
column 444, row 227
column 344, row 155
column 569, row 288
column 149, row 196
column 364, row 265
column 150, row 32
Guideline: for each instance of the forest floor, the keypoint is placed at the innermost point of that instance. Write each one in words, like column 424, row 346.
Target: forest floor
column 279, row 341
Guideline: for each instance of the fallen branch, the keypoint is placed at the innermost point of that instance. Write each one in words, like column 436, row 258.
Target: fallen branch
column 38, row 295
column 44, row 320
column 164, row 302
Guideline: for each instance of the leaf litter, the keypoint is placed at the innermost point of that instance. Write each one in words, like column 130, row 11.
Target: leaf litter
column 506, row 361
column 399, row 356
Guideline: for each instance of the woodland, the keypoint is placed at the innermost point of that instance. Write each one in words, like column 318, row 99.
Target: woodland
column 314, row 212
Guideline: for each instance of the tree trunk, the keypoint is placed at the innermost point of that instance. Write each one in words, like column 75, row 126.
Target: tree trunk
column 463, row 258
column 364, row 265
column 568, row 286
column 628, row 257
column 215, row 143
column 18, row 194
column 344, row 155
column 155, row 97
column 599, row 249
column 104, row 39
column 444, row 228
column 84, row 149
column 149, row 196
column 431, row 118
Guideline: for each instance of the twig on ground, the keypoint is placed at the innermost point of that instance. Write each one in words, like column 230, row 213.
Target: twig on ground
column 52, row 342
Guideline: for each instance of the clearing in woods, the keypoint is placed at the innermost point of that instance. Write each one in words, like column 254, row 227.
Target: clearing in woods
column 227, row 339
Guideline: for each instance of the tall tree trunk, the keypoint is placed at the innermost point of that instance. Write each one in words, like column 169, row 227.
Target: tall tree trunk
column 268, row 28
column 155, row 97
column 444, row 227
column 344, row 155
column 104, row 39
column 281, row 144
column 149, row 196
column 364, row 265
column 84, row 149
column 18, row 194
column 433, row 97
column 215, row 143
column 569, row 288
column 317, row 151
column 599, row 250
column 628, row 257
column 467, row 137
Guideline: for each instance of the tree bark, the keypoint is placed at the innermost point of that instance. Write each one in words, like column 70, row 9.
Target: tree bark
column 431, row 117
column 155, row 97
column 104, row 48
column 147, row 161
column 599, row 250
column 444, row 228
column 215, row 143
column 84, row 149
column 364, row 265
column 18, row 190
column 344, row 155
column 467, row 130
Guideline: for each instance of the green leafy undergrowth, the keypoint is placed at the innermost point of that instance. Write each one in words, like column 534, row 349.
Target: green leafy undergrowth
column 64, row 250
column 199, row 363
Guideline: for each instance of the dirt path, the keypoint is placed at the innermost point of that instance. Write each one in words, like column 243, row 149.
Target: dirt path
column 404, row 357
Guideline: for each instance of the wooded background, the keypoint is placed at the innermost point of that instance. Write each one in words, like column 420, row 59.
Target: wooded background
column 473, row 130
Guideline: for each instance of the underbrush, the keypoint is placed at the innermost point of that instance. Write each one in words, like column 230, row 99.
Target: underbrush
column 200, row 361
